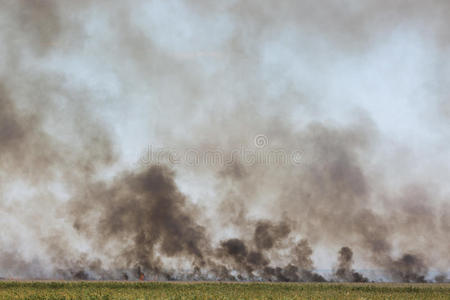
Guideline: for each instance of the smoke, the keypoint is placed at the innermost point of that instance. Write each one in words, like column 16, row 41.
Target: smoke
column 344, row 270
column 409, row 268
column 357, row 91
column 142, row 211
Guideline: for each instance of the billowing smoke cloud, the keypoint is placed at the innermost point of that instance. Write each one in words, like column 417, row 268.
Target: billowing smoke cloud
column 345, row 102
column 143, row 211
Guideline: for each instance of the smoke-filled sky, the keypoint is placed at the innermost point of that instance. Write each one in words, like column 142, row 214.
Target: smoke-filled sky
column 352, row 94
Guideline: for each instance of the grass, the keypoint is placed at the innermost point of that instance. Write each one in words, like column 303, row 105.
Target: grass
column 217, row 290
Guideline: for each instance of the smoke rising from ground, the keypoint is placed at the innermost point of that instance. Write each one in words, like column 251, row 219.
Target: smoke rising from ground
column 359, row 89
column 344, row 270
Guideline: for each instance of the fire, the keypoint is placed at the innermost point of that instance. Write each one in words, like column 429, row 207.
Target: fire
column 141, row 277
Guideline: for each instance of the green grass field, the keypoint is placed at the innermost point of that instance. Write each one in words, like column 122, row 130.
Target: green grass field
column 163, row 290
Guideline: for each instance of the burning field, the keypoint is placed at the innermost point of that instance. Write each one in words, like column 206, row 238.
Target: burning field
column 248, row 141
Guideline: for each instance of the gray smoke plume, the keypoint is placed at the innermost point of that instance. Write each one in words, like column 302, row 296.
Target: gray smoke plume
column 409, row 268
column 358, row 91
column 344, row 269
column 142, row 211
